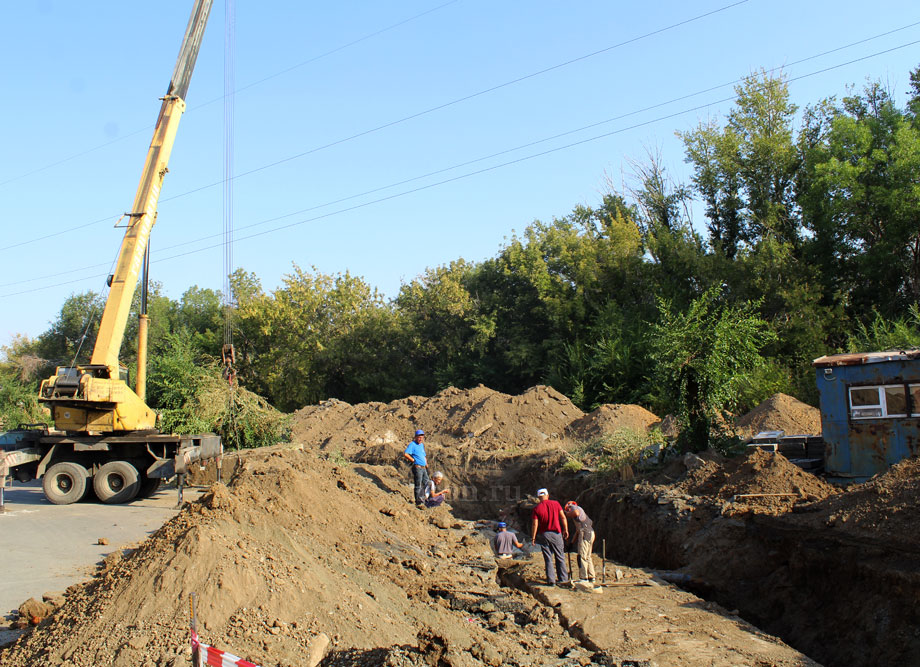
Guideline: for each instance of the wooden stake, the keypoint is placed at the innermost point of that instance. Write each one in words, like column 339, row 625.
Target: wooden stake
column 193, row 620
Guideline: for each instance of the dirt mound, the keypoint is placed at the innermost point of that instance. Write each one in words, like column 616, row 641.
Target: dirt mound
column 293, row 547
column 611, row 417
column 758, row 481
column 323, row 539
column 477, row 418
column 780, row 412
column 887, row 507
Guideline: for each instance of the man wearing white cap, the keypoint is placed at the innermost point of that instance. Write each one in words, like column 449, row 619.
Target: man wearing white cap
column 550, row 530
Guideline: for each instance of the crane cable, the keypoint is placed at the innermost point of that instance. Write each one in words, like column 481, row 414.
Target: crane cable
column 228, row 352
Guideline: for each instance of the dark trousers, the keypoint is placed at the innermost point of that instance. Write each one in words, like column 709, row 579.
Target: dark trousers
column 420, row 477
column 553, row 557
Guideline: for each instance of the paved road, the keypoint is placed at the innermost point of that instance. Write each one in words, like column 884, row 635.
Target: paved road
column 46, row 547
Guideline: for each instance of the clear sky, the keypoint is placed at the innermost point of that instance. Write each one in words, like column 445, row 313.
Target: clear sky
column 338, row 103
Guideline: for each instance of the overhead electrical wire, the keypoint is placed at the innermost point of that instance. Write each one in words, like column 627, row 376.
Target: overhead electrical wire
column 468, row 174
column 217, row 99
column 404, row 119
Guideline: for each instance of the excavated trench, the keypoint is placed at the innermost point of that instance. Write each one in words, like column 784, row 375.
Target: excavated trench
column 840, row 600
column 837, row 598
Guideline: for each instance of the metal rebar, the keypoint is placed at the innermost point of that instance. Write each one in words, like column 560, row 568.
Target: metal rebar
column 603, row 561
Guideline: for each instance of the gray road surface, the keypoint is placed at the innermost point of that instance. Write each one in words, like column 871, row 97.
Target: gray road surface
column 46, row 547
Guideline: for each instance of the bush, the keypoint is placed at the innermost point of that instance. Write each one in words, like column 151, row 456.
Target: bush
column 191, row 396
column 617, row 452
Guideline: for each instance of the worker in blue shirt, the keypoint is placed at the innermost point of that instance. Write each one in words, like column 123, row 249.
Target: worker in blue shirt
column 415, row 454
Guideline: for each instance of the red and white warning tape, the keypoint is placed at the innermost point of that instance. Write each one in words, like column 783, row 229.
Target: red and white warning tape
column 208, row 655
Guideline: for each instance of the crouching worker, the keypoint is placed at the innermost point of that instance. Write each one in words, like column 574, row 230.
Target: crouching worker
column 434, row 497
column 504, row 541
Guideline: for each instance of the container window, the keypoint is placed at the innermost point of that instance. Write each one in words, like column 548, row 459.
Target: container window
column 895, row 401
column 915, row 400
column 883, row 401
column 864, row 397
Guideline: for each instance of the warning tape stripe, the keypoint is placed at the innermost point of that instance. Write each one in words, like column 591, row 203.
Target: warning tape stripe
column 217, row 658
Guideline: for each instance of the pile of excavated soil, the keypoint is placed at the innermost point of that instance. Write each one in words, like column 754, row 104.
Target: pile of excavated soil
column 758, row 480
column 780, row 412
column 611, row 417
column 324, row 540
column 477, row 418
column 494, row 448
column 296, row 546
column 886, row 507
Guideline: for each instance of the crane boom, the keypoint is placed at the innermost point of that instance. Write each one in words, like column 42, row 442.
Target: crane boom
column 144, row 211
column 94, row 397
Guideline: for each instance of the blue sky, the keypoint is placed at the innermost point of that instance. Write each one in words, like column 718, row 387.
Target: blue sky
column 83, row 82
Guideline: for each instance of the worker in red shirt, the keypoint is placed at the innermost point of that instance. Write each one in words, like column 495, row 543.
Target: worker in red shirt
column 550, row 530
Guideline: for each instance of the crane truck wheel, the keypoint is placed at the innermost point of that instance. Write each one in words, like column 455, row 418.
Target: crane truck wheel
column 64, row 483
column 116, row 482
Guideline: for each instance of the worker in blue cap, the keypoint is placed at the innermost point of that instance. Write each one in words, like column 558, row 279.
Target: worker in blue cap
column 504, row 541
column 415, row 454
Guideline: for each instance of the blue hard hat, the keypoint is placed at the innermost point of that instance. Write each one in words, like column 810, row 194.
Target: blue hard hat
column 502, row 524
column 420, row 432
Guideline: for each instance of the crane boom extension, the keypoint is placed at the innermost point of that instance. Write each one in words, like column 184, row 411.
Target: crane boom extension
column 94, row 397
column 144, row 211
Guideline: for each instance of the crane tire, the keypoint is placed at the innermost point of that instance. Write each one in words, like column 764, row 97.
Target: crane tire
column 116, row 482
column 64, row 483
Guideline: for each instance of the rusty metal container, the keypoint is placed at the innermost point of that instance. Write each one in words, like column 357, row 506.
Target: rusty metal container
column 870, row 411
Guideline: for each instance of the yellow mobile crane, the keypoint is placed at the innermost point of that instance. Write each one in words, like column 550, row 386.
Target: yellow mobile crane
column 103, row 431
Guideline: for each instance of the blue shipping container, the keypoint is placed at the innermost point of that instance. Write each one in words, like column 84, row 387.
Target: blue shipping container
column 870, row 411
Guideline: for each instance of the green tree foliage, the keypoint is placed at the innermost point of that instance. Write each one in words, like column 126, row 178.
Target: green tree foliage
column 862, row 201
column 557, row 293
column 291, row 342
column 704, row 356
column 176, row 377
column 447, row 331
column 20, row 371
column 191, row 396
column 745, row 172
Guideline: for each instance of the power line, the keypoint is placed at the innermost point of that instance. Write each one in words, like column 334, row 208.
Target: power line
column 405, row 119
column 217, row 99
column 466, row 175
column 508, row 150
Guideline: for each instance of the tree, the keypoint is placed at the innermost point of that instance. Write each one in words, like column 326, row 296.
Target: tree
column 20, row 370
column 745, row 171
column 72, row 335
column 447, row 332
column 289, row 339
column 704, row 356
column 863, row 202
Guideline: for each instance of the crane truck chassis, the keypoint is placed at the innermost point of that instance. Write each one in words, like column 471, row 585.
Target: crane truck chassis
column 117, row 468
